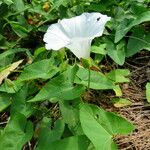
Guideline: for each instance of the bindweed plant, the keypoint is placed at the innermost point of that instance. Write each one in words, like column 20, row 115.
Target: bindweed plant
column 43, row 91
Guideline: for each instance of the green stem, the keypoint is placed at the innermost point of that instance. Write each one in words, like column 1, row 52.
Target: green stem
column 89, row 77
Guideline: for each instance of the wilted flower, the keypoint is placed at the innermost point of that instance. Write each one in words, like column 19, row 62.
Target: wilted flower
column 76, row 33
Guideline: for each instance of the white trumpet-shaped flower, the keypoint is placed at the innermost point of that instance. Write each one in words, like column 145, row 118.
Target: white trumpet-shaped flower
column 76, row 33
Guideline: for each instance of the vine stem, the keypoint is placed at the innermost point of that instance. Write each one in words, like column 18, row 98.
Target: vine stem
column 89, row 78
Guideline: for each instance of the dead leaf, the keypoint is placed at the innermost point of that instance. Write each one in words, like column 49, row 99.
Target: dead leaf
column 121, row 102
column 4, row 73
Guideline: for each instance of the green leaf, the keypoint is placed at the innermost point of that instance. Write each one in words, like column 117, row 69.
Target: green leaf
column 11, row 51
column 19, row 5
column 116, row 52
column 112, row 123
column 138, row 8
column 5, row 101
column 139, row 40
column 100, row 138
column 39, row 51
column 43, row 69
column 1, row 37
column 70, row 143
column 117, row 90
column 148, row 91
column 20, row 104
column 97, row 7
column 100, row 126
column 70, row 114
column 6, row 61
column 124, row 28
column 11, row 86
column 58, row 3
column 19, row 29
column 71, row 72
column 8, row 2
column 99, row 49
column 16, row 133
column 47, row 136
column 61, row 88
column 119, row 75
column 97, row 79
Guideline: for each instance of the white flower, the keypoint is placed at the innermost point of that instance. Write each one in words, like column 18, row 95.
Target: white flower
column 76, row 33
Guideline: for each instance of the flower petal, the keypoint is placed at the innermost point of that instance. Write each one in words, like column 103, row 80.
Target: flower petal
column 88, row 25
column 76, row 33
column 55, row 37
column 80, row 47
column 74, row 26
column 95, row 23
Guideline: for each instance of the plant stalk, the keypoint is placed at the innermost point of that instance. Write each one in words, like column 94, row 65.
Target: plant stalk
column 89, row 78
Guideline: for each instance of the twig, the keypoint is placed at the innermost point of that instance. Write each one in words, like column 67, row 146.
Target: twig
column 3, row 122
column 29, row 145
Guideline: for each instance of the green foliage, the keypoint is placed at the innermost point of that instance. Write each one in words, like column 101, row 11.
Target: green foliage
column 70, row 143
column 123, row 28
column 104, row 126
column 19, row 102
column 139, row 40
column 97, row 79
column 116, row 52
column 49, row 88
column 51, row 135
column 119, row 75
column 93, row 130
column 37, row 70
column 5, row 101
column 59, row 88
column 17, row 132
